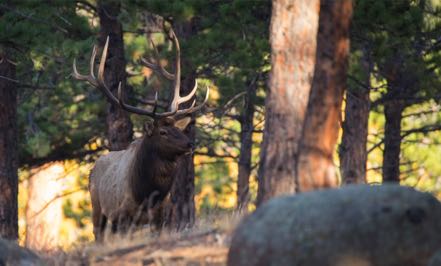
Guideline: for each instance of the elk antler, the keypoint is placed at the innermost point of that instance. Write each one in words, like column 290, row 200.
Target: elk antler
column 158, row 68
column 176, row 78
column 177, row 99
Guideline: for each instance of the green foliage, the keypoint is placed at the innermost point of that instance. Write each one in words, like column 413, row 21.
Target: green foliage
column 224, row 36
column 79, row 213
column 401, row 38
column 55, row 112
column 38, row 144
column 214, row 187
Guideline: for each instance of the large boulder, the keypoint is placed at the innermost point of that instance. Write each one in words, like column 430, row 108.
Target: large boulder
column 12, row 254
column 355, row 225
column 435, row 260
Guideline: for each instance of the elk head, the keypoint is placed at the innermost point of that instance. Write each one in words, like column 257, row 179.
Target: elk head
column 168, row 136
column 166, row 127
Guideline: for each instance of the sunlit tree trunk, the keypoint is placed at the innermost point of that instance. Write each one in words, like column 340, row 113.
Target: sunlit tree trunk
column 119, row 126
column 293, row 33
column 8, row 150
column 44, row 211
column 246, row 145
column 353, row 150
column 322, row 122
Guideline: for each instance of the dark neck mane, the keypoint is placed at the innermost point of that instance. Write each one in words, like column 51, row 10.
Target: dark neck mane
column 151, row 176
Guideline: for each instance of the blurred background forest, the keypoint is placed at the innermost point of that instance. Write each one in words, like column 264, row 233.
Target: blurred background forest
column 63, row 123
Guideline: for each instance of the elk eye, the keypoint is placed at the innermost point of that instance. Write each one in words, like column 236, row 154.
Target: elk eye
column 162, row 132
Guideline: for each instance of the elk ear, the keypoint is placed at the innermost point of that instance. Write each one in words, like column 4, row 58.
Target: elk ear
column 183, row 123
column 148, row 128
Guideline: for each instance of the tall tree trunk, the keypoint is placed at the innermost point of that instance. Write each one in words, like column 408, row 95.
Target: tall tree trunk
column 293, row 35
column 393, row 111
column 181, row 213
column 403, row 83
column 119, row 126
column 8, row 151
column 320, row 133
column 246, row 145
column 352, row 150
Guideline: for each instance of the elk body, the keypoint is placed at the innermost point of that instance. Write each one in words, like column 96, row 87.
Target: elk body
column 123, row 183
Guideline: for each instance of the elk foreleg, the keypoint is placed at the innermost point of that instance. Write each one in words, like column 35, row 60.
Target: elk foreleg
column 99, row 224
column 99, row 220
column 122, row 224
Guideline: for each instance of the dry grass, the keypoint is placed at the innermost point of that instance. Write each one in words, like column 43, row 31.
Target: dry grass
column 204, row 244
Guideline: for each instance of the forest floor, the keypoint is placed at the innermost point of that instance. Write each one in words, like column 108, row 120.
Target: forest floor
column 205, row 244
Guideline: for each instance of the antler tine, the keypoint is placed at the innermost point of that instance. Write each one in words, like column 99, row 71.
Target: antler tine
column 156, row 103
column 92, row 62
column 103, row 63
column 79, row 76
column 190, row 95
column 91, row 77
column 174, row 105
column 106, row 91
column 140, row 111
column 157, row 67
column 193, row 108
column 120, row 95
column 75, row 73
column 100, row 84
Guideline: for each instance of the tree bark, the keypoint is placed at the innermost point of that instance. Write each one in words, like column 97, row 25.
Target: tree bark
column 180, row 212
column 352, row 150
column 404, row 83
column 119, row 126
column 320, row 133
column 293, row 33
column 393, row 112
column 8, row 151
column 246, row 145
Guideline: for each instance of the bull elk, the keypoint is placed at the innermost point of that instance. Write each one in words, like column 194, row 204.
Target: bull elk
column 121, row 182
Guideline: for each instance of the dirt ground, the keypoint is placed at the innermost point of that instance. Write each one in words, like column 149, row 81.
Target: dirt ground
column 200, row 248
column 202, row 245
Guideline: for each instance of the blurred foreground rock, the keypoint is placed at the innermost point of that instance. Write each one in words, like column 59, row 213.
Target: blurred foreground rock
column 12, row 254
column 355, row 225
column 436, row 259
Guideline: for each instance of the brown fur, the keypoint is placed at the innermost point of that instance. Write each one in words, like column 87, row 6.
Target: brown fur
column 121, row 182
